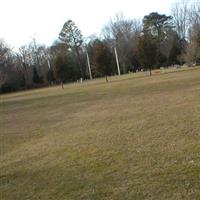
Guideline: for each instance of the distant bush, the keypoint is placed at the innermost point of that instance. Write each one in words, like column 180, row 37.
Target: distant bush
column 7, row 87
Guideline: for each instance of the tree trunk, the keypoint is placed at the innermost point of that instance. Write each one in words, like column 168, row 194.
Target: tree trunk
column 150, row 71
column 62, row 85
column 106, row 78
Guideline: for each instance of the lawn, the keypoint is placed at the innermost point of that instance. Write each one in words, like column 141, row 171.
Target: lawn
column 135, row 137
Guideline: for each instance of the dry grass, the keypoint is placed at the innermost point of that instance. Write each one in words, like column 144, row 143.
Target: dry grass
column 136, row 137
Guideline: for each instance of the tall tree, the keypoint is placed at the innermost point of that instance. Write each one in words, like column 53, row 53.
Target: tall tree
column 193, row 48
column 180, row 13
column 72, row 37
column 158, row 27
column 123, row 34
column 146, row 52
column 103, row 58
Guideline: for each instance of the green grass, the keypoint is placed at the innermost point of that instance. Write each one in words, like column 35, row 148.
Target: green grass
column 136, row 137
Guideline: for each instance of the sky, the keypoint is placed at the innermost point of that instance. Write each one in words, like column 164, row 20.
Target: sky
column 23, row 20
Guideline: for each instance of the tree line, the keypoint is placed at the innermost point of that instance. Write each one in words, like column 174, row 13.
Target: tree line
column 155, row 41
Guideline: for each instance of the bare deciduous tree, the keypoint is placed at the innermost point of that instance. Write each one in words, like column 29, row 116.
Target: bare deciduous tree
column 4, row 59
column 124, row 34
column 193, row 48
column 181, row 18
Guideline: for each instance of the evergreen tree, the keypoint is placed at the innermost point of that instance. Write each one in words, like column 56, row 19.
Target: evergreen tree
column 158, row 27
column 147, row 52
column 103, row 58
column 72, row 37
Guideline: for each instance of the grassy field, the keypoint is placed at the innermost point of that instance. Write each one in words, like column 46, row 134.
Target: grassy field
column 136, row 137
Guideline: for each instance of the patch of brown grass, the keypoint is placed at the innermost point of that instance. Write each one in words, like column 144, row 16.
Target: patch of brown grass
column 133, row 138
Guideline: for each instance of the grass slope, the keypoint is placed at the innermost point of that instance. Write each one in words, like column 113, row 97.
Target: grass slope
column 131, row 138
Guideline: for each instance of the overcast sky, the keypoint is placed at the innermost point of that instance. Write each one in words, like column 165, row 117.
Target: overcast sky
column 21, row 20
